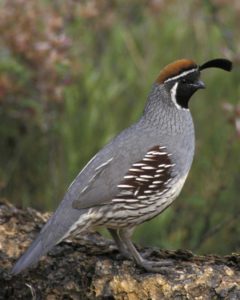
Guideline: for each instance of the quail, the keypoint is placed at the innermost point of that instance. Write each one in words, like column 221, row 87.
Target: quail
column 137, row 175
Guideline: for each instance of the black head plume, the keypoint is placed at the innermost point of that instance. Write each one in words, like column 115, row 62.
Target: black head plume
column 220, row 63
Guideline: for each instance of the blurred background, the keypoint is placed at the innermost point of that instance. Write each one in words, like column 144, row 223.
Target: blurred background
column 75, row 73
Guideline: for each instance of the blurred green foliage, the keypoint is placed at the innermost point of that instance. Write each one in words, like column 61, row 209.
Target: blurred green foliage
column 74, row 74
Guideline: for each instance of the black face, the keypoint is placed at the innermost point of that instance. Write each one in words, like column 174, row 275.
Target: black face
column 187, row 86
column 183, row 87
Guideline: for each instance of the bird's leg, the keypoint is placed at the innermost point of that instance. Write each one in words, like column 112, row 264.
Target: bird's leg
column 122, row 248
column 150, row 266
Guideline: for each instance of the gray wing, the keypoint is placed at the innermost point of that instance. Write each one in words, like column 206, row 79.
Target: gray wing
column 124, row 178
column 97, row 183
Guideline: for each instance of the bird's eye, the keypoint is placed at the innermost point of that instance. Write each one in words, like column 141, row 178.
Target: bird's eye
column 183, row 81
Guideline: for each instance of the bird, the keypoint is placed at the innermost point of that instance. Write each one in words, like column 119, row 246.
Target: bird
column 137, row 175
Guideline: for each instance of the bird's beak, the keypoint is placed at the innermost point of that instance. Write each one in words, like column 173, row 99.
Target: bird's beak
column 199, row 84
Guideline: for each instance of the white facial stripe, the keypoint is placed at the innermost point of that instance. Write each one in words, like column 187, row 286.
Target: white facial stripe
column 173, row 97
column 181, row 75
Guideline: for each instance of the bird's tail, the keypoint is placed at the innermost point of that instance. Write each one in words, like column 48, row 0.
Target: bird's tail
column 55, row 230
column 31, row 256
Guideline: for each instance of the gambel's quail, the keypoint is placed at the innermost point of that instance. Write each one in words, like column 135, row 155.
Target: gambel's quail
column 137, row 175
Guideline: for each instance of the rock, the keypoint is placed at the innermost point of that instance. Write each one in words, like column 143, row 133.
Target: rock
column 90, row 267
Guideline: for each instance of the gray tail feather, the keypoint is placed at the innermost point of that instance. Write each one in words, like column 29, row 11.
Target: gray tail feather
column 52, row 233
column 49, row 236
column 31, row 256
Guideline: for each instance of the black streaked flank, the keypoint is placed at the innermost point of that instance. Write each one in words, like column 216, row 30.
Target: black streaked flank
column 147, row 179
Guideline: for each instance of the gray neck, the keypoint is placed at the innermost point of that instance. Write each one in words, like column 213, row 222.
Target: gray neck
column 161, row 112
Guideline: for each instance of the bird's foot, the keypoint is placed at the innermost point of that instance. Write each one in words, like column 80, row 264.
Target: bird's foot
column 162, row 267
